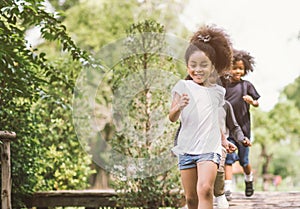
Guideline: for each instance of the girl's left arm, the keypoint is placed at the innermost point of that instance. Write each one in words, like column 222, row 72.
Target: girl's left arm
column 251, row 101
column 252, row 95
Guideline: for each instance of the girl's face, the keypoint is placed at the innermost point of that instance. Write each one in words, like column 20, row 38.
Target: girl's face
column 199, row 67
column 237, row 71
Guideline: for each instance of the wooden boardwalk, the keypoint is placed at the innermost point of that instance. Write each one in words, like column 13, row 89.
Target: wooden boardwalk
column 265, row 200
column 102, row 199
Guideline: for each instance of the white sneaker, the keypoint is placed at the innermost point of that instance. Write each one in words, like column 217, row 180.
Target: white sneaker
column 222, row 202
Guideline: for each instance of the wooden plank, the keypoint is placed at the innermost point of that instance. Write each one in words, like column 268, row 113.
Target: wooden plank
column 77, row 198
column 84, row 198
column 76, row 202
column 96, row 192
column 101, row 198
column 265, row 200
column 5, row 137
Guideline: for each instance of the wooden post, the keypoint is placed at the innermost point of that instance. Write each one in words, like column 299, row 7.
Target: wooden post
column 5, row 138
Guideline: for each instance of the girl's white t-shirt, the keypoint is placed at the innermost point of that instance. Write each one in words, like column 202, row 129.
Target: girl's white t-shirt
column 200, row 130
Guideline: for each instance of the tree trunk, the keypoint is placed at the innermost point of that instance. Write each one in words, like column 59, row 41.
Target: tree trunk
column 265, row 167
column 99, row 180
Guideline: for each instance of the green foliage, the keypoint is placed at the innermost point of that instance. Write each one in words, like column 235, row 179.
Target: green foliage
column 290, row 122
column 277, row 133
column 63, row 164
column 282, row 164
column 95, row 24
column 138, row 137
column 63, row 5
column 166, row 12
column 26, row 79
column 292, row 92
column 150, row 192
column 36, row 87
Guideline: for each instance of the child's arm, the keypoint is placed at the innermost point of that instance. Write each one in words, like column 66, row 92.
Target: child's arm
column 234, row 127
column 230, row 148
column 176, row 135
column 178, row 103
column 251, row 96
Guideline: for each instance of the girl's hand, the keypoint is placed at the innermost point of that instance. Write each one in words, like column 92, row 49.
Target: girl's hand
column 179, row 102
column 247, row 142
column 231, row 147
column 250, row 100
column 184, row 101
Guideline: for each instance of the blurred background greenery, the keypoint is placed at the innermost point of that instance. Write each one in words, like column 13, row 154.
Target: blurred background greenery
column 37, row 81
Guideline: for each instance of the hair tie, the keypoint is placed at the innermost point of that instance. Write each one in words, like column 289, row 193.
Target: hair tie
column 204, row 38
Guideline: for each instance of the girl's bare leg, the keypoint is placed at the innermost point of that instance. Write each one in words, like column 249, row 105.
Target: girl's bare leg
column 207, row 171
column 228, row 172
column 247, row 169
column 189, row 182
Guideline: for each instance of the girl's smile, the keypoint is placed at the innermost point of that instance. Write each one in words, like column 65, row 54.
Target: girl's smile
column 237, row 71
column 199, row 67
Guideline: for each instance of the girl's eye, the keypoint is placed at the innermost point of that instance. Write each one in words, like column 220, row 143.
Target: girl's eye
column 203, row 65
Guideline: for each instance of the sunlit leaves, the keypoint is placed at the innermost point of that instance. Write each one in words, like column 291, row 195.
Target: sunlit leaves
column 25, row 77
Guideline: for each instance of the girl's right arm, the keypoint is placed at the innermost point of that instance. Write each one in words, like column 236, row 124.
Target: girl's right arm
column 178, row 103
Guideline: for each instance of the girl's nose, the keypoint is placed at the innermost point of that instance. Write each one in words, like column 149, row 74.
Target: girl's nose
column 198, row 69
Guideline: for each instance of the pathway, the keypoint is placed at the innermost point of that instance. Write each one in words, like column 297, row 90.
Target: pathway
column 265, row 200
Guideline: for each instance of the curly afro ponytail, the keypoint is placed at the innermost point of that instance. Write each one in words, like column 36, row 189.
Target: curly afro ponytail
column 215, row 43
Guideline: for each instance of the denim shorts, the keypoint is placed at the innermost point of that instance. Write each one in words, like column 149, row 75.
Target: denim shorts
column 242, row 155
column 187, row 161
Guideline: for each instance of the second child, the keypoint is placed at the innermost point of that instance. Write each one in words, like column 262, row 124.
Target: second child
column 241, row 94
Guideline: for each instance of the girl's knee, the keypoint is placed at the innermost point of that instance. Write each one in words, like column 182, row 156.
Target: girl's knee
column 205, row 190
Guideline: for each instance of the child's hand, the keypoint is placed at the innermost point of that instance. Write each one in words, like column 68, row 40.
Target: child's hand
column 247, row 142
column 184, row 101
column 250, row 100
column 231, row 148
column 179, row 102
